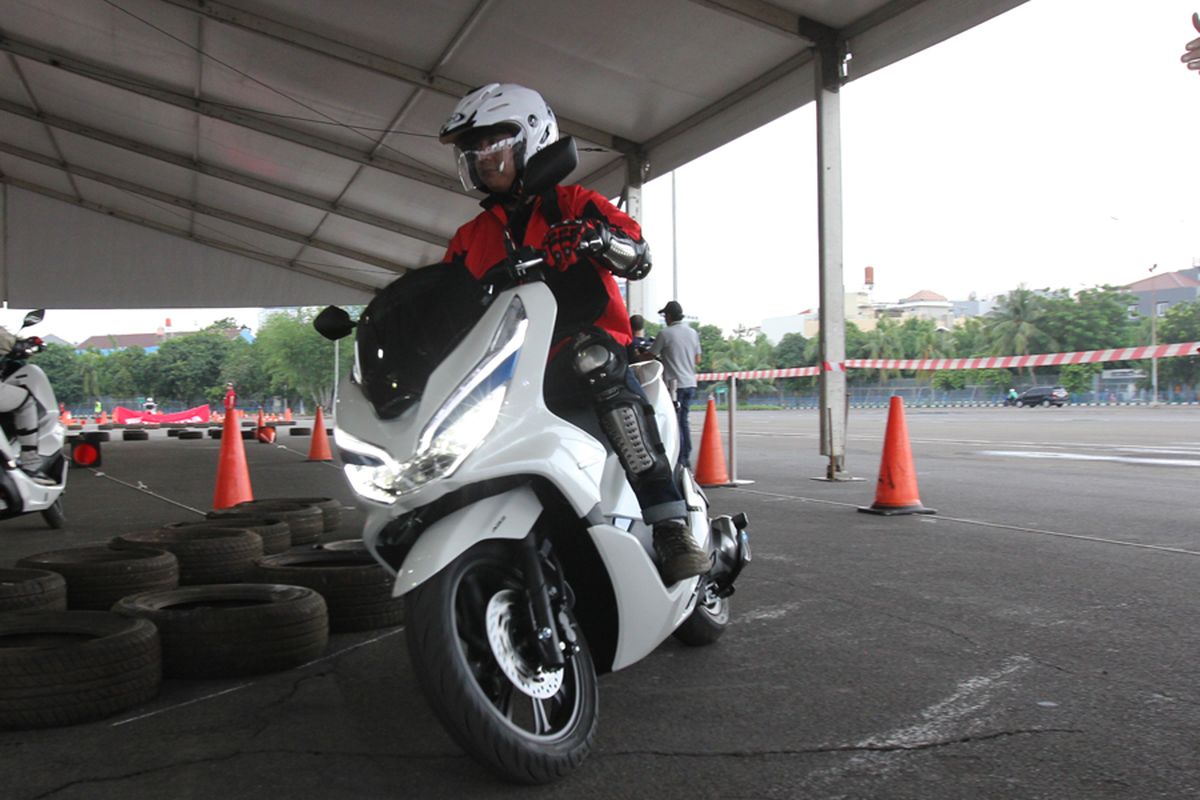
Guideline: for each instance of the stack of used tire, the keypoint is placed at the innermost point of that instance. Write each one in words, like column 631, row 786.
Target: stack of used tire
column 306, row 522
column 61, row 667
column 356, row 588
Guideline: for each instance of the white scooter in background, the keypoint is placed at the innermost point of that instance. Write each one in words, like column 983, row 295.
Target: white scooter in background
column 20, row 493
column 510, row 527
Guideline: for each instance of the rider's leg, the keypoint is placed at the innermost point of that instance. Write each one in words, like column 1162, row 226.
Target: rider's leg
column 627, row 419
column 683, row 402
column 18, row 401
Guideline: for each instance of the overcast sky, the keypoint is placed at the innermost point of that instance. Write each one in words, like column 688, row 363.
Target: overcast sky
column 1052, row 146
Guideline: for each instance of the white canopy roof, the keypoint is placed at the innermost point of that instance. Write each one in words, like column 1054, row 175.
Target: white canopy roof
column 282, row 152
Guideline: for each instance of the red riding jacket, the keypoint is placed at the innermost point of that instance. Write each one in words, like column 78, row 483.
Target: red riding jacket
column 586, row 292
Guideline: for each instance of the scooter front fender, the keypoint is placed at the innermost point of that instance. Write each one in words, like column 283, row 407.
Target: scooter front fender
column 509, row 515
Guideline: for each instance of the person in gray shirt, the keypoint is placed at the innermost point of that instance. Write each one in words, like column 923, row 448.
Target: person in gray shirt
column 678, row 347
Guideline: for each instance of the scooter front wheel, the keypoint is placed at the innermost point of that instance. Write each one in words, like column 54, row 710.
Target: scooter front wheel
column 54, row 515
column 470, row 643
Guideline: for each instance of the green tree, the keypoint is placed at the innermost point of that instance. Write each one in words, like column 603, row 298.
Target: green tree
column 61, row 366
column 296, row 356
column 128, row 373
column 790, row 352
column 969, row 339
column 1078, row 378
column 1094, row 319
column 189, row 367
column 712, row 343
column 1014, row 326
column 1181, row 323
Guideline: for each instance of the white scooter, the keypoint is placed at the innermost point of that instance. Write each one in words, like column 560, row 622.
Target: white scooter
column 19, row 493
column 511, row 529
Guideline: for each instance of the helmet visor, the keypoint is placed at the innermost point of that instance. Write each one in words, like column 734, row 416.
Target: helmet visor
column 497, row 153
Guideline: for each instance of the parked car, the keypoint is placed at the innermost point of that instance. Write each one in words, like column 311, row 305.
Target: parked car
column 1043, row 396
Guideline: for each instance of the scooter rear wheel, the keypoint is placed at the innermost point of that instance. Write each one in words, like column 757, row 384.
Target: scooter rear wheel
column 706, row 623
column 533, row 731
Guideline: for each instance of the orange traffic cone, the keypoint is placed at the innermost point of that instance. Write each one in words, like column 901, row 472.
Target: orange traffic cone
column 710, row 465
column 233, row 476
column 896, row 491
column 287, row 415
column 319, row 449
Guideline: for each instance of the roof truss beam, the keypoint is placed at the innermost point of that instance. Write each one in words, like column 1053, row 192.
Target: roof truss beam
column 772, row 17
column 266, row 258
column 200, row 208
column 414, row 76
column 143, row 87
column 241, row 179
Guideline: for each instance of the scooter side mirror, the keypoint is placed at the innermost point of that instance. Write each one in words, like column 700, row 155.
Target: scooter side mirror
column 334, row 323
column 550, row 165
column 34, row 317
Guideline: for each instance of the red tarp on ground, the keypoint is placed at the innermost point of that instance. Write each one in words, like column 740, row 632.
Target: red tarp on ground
column 125, row 416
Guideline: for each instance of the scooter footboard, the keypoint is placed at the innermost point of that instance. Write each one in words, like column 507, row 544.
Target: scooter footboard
column 509, row 515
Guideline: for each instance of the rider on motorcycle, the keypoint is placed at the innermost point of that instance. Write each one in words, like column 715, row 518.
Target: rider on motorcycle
column 494, row 130
column 18, row 401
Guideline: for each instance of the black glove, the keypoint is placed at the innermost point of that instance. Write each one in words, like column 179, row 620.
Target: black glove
column 565, row 241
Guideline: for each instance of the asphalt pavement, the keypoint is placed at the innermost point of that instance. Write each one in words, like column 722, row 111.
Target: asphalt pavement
column 1033, row 639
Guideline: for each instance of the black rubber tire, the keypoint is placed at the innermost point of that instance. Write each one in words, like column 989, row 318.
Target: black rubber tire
column 1045, row 404
column 55, row 515
column 99, row 576
column 135, row 436
column 214, row 433
column 705, row 624
column 306, row 522
column 206, row 556
column 191, row 434
column 445, row 672
column 248, row 435
column 49, row 677
column 275, row 533
column 357, row 590
column 32, row 590
column 331, row 509
column 300, row 432
column 230, row 630
column 172, row 432
column 97, row 436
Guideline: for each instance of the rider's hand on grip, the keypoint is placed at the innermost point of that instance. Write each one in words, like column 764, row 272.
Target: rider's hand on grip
column 565, row 241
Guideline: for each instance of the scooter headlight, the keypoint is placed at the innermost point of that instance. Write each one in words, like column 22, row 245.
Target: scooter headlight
column 455, row 431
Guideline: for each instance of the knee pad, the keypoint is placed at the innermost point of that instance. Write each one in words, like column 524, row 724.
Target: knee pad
column 626, row 417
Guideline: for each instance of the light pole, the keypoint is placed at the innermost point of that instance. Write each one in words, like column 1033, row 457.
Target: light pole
column 1153, row 339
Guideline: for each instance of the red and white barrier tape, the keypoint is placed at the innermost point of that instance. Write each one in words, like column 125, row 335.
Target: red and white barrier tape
column 981, row 362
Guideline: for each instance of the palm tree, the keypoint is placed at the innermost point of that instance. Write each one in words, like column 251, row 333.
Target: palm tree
column 885, row 341
column 1013, row 325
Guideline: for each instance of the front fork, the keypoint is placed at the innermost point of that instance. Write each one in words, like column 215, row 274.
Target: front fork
column 549, row 601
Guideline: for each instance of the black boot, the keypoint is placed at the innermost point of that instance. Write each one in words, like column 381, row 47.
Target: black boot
column 678, row 555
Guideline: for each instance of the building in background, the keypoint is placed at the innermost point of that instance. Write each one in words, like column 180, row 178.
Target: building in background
column 1158, row 292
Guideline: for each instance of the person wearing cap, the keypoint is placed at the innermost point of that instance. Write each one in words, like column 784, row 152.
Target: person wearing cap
column 678, row 347
column 495, row 129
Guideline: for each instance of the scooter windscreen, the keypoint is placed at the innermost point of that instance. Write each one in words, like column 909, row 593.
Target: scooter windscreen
column 410, row 327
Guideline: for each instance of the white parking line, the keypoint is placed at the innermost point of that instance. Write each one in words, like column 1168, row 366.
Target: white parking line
column 1158, row 462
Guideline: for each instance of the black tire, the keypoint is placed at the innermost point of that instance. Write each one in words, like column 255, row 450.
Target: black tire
column 172, row 432
column 231, row 630
column 306, row 522
column 99, row 576
column 208, row 555
column 64, row 667
column 453, row 672
column 55, row 516
column 97, row 436
column 331, row 509
column 300, row 432
column 214, row 433
column 191, row 434
column 135, row 436
column 1045, row 404
column 275, row 533
column 1019, row 403
column 357, row 590
column 32, row 590
column 706, row 623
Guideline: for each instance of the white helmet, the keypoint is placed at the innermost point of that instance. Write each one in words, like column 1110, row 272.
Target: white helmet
column 521, row 110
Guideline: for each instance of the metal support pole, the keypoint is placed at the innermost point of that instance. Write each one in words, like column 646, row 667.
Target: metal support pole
column 336, row 373
column 1153, row 339
column 4, row 243
column 827, row 70
column 635, row 172
column 732, row 429
column 674, row 245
